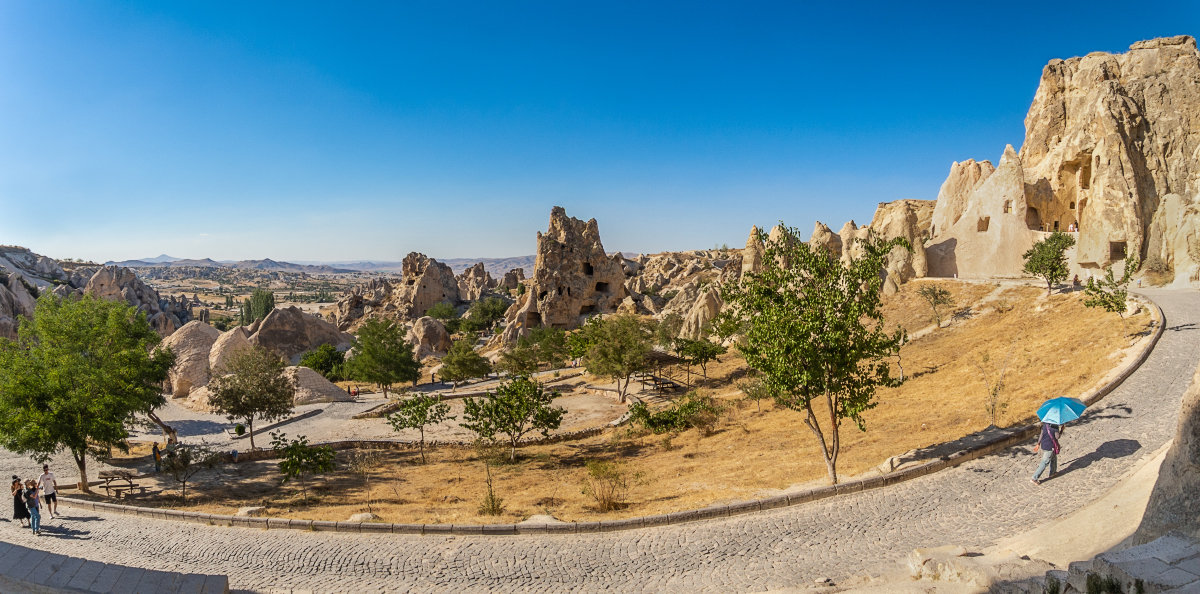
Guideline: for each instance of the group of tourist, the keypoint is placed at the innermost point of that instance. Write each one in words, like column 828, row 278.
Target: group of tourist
column 27, row 499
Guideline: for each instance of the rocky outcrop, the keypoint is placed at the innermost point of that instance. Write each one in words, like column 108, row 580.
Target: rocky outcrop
column 473, row 282
column 16, row 301
column 116, row 283
column 313, row 388
column 425, row 283
column 428, row 337
column 824, row 237
column 512, row 278
column 752, row 256
column 192, row 345
column 703, row 311
column 227, row 345
column 40, row 271
column 993, row 231
column 572, row 278
column 1112, row 143
column 1176, row 495
column 910, row 220
column 291, row 333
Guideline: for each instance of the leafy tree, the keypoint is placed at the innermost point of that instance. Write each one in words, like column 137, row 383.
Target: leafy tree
column 262, row 302
column 463, row 363
column 382, row 356
column 701, row 352
column 693, row 410
column 936, row 297
column 253, row 385
column 443, row 311
column 418, row 412
column 581, row 341
column 325, row 360
column 298, row 459
column 362, row 463
column 183, row 461
column 1111, row 294
column 619, row 349
column 484, row 313
column 1047, row 259
column 76, row 376
column 229, row 302
column 515, row 408
column 667, row 330
column 520, row 359
column 550, row 344
column 813, row 329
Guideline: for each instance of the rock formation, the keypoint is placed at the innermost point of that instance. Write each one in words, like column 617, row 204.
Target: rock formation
column 1176, row 495
column 291, row 333
column 702, row 312
column 572, row 278
column 228, row 344
column 1112, row 142
column 753, row 254
column 428, row 337
column 473, row 282
column 116, row 283
column 512, row 278
column 911, row 220
column 425, row 283
column 192, row 345
column 16, row 301
column 823, row 236
column 313, row 388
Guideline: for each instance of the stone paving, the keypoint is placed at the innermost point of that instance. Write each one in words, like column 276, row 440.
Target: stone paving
column 972, row 505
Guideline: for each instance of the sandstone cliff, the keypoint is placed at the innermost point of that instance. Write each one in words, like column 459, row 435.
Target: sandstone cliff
column 425, row 283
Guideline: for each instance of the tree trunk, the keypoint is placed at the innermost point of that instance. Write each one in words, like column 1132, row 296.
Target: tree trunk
column 81, row 461
column 171, row 435
column 422, row 444
column 250, row 428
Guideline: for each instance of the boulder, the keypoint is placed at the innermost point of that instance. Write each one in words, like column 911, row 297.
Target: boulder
column 291, row 333
column 823, row 236
column 1176, row 494
column 251, row 512
column 16, row 301
column 226, row 346
column 572, row 278
column 191, row 344
column 428, row 337
column 910, row 220
column 313, row 388
column 702, row 312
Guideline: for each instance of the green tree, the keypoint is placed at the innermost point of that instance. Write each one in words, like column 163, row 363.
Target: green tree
column 520, row 359
column 1111, row 294
column 813, row 329
column 325, row 360
column 619, row 349
column 550, row 344
column 936, row 297
column 419, row 412
column 262, row 302
column 702, row 352
column 253, row 385
column 463, row 363
column 444, row 311
column 514, row 409
column 297, row 459
column 76, row 376
column 382, row 356
column 483, row 314
column 1047, row 259
column 667, row 331
column 183, row 461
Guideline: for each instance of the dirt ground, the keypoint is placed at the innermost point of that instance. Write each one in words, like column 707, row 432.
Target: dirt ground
column 1047, row 346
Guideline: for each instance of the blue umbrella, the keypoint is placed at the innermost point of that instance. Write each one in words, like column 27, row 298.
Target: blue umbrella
column 1060, row 410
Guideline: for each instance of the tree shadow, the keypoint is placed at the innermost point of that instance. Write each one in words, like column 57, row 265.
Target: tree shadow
column 1113, row 449
column 963, row 314
column 1112, row 411
column 1182, row 327
column 196, row 427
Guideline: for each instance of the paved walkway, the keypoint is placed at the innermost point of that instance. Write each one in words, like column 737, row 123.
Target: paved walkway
column 973, row 505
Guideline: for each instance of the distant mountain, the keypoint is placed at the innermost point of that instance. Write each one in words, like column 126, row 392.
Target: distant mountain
column 265, row 265
column 495, row 266
column 159, row 259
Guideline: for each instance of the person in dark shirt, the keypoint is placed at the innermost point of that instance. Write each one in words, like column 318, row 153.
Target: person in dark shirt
column 1048, row 444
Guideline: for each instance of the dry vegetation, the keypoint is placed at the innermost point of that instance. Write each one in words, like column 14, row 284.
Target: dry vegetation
column 1053, row 345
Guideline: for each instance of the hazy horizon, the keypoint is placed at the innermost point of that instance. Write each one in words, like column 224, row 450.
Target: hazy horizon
column 311, row 133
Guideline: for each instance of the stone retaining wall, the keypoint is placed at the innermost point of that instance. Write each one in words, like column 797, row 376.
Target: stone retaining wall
column 1004, row 440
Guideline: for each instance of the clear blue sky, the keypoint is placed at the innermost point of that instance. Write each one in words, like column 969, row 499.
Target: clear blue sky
column 340, row 131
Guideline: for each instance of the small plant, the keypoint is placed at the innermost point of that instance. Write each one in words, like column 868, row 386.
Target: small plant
column 492, row 505
column 754, row 389
column 516, row 408
column 1047, row 259
column 183, row 461
column 936, row 297
column 1097, row 584
column 607, row 483
column 299, row 459
column 362, row 463
column 1052, row 586
column 418, row 412
column 239, row 429
column 993, row 381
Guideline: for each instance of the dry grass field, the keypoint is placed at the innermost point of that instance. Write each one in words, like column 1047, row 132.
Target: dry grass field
column 1048, row 346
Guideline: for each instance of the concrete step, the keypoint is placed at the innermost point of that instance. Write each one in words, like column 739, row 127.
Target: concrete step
column 23, row 569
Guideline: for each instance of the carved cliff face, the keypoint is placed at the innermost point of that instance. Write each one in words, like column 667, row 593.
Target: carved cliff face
column 572, row 277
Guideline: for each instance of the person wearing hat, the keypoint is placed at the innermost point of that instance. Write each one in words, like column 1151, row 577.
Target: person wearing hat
column 20, row 512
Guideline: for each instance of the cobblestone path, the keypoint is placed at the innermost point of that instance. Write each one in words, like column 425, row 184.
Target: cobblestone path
column 973, row 505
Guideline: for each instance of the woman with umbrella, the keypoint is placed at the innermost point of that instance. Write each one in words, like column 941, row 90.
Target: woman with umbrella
column 1054, row 414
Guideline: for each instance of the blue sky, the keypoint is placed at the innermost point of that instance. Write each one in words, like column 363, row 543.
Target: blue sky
column 311, row 131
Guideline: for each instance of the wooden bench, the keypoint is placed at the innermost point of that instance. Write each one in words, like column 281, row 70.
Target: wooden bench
column 123, row 479
column 128, row 490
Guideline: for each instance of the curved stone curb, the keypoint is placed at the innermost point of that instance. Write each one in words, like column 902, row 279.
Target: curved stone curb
column 386, row 408
column 1008, row 438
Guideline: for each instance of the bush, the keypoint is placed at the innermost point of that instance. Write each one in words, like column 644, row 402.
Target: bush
column 692, row 410
column 606, row 483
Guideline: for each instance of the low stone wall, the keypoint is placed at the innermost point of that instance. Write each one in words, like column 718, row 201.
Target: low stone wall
column 999, row 442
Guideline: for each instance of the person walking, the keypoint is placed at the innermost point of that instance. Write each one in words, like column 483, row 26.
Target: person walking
column 154, row 451
column 31, row 502
column 20, row 512
column 1048, row 444
column 49, row 488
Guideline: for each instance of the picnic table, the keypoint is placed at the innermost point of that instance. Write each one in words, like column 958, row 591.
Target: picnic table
column 124, row 482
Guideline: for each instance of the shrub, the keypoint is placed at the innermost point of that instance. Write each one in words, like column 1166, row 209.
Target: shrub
column 606, row 483
column 692, row 410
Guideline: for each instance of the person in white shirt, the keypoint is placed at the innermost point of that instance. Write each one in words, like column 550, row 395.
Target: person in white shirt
column 49, row 487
